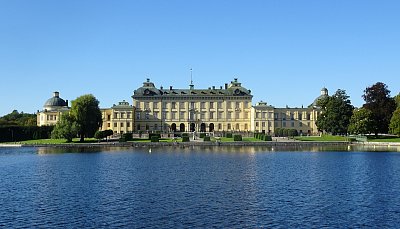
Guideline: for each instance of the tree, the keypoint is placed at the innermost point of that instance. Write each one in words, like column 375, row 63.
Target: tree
column 361, row 121
column 65, row 128
column 394, row 125
column 336, row 113
column 397, row 100
column 86, row 112
column 378, row 101
column 16, row 118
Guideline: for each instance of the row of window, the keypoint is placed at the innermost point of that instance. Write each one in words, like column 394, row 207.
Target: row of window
column 284, row 124
column 194, row 105
column 284, row 116
column 192, row 115
column 122, row 125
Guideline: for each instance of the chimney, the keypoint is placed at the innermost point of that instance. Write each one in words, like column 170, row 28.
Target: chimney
column 220, row 87
column 213, row 87
column 170, row 88
column 226, row 86
column 56, row 94
column 66, row 102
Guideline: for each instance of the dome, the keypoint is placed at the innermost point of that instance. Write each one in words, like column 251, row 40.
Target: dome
column 324, row 94
column 55, row 102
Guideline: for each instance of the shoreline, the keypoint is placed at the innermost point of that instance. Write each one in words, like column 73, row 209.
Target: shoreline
column 283, row 144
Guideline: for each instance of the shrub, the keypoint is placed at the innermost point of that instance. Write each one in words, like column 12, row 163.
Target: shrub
column 267, row 138
column 229, row 135
column 237, row 138
column 207, row 138
column 157, row 135
column 202, row 135
column 99, row 134
column 155, row 138
column 185, row 139
column 126, row 137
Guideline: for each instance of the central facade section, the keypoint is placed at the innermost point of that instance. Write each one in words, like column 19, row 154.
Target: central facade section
column 216, row 109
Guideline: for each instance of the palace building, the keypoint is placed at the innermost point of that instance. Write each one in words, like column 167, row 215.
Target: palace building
column 186, row 110
column 226, row 108
column 52, row 110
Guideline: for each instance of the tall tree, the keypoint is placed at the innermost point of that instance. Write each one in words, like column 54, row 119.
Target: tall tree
column 86, row 112
column 66, row 128
column 378, row 101
column 397, row 100
column 336, row 113
column 394, row 126
column 360, row 122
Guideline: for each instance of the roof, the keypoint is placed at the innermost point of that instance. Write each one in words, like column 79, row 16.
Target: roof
column 234, row 89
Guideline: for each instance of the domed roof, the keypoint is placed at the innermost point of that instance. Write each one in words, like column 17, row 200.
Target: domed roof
column 324, row 94
column 55, row 101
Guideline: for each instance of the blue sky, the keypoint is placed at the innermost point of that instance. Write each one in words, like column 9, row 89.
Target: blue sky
column 284, row 51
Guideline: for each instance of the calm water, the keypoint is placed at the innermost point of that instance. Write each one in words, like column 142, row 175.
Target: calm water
column 198, row 187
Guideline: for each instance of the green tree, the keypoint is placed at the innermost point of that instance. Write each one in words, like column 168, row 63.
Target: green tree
column 65, row 128
column 378, row 101
column 397, row 100
column 85, row 109
column 361, row 121
column 336, row 113
column 394, row 125
column 16, row 118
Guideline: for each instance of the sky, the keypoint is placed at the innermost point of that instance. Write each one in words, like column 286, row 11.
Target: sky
column 283, row 51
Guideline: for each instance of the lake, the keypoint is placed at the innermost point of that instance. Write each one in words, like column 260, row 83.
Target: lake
column 222, row 187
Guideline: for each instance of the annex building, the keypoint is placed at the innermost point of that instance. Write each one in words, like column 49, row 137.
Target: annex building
column 225, row 108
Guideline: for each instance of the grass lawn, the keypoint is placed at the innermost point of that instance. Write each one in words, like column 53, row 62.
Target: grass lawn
column 223, row 139
column 56, row 141
column 383, row 139
column 323, row 138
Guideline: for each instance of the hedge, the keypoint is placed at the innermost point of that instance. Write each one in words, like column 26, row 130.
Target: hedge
column 185, row 139
column 23, row 133
column 207, row 138
column 229, row 135
column 237, row 138
column 155, row 138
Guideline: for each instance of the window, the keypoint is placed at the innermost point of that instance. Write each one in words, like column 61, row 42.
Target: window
column 292, row 124
column 220, row 115
column 155, row 115
column 155, row 105
column 284, row 124
column 246, row 115
column 245, row 126
column 264, row 115
column 203, row 105
column 115, row 115
column 147, row 116
column 229, row 115
column 308, row 116
column 202, row 115
column 115, row 125
column 229, row 126
column 192, row 105
column 258, row 115
column 291, row 116
column 128, row 115
column 122, row 115
column 108, row 124
column 146, row 105
column 220, row 105
column 211, row 115
column 257, row 125
column 229, row 105
column 181, row 105
column 155, row 127
column 237, row 115
column 308, row 124
column 300, row 124
column 276, row 116
column 237, row 126
column 270, row 115
column 211, row 105
column 237, row 105
column 300, row 116
column 138, row 115
column 138, row 104
column 108, row 117
column 283, row 116
column 173, row 105
column 122, row 124
column 263, row 124
column 219, row 126
column 128, row 124
column 164, row 115
column 173, row 115
column 182, row 115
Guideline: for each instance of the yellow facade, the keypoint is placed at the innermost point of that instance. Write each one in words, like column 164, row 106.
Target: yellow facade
column 186, row 110
column 267, row 118
column 52, row 110
column 119, row 118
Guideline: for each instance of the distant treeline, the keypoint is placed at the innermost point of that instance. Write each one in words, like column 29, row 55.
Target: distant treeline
column 23, row 133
